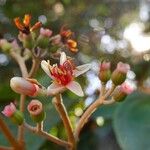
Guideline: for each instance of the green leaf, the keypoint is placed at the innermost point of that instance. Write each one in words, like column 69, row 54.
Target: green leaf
column 6, row 94
column 132, row 122
column 33, row 141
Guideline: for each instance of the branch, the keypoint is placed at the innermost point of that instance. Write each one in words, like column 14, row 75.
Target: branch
column 84, row 118
column 110, row 91
column 57, row 101
column 102, row 90
column 4, row 128
column 34, row 68
column 5, row 148
column 108, row 102
column 21, row 128
column 47, row 136
column 143, row 89
column 25, row 74
column 20, row 62
column 40, row 126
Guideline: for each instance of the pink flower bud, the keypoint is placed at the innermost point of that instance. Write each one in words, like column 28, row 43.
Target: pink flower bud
column 22, row 36
column 122, row 67
column 45, row 32
column 104, row 66
column 122, row 91
column 56, row 40
column 35, row 107
column 126, row 88
column 23, row 86
column 14, row 44
column 43, row 39
column 9, row 110
column 15, row 115
column 36, row 111
column 27, row 40
column 119, row 74
column 104, row 73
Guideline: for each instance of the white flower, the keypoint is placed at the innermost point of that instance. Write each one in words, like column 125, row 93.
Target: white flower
column 63, row 75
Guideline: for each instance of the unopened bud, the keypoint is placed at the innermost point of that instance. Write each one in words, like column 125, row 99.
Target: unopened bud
column 104, row 73
column 15, row 115
column 24, row 86
column 56, row 40
column 45, row 32
column 122, row 91
column 36, row 111
column 9, row 110
column 27, row 40
column 43, row 39
column 119, row 74
column 15, row 45
column 5, row 45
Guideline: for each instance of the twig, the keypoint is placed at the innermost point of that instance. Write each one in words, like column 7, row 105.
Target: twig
column 86, row 115
column 21, row 128
column 143, row 89
column 40, row 126
column 84, row 118
column 6, row 148
column 47, row 136
column 110, row 91
column 34, row 68
column 107, row 102
column 102, row 91
column 20, row 62
column 65, row 118
column 4, row 128
column 25, row 74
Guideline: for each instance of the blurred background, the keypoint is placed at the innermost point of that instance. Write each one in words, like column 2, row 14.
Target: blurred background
column 118, row 30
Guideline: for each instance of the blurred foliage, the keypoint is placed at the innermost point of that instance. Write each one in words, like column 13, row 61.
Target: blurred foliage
column 132, row 125
column 126, row 125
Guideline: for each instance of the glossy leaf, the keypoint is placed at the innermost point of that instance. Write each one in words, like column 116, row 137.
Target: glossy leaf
column 132, row 122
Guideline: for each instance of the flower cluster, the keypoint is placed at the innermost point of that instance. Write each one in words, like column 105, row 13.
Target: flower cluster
column 25, row 26
column 39, row 38
column 32, row 45
column 118, row 77
column 63, row 76
column 36, row 42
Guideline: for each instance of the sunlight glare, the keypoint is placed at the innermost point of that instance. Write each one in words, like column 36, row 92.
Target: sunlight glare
column 139, row 41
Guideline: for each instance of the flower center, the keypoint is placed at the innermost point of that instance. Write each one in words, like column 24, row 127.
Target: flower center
column 63, row 73
column 35, row 108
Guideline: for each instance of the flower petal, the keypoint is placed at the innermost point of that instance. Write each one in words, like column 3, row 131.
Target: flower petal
column 63, row 58
column 44, row 66
column 55, row 88
column 81, row 69
column 75, row 88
